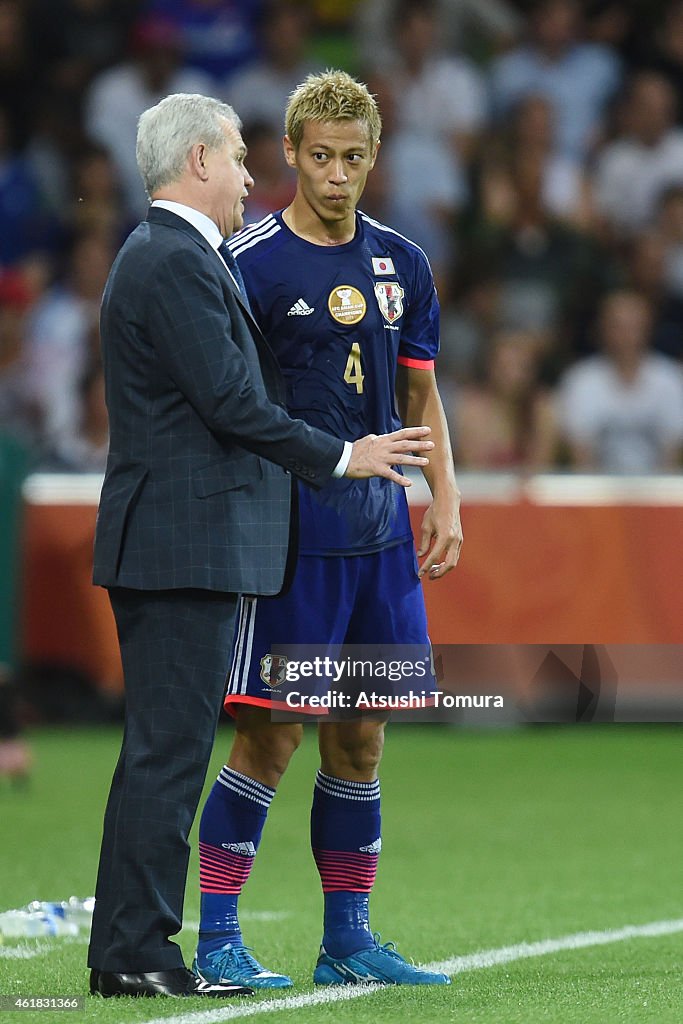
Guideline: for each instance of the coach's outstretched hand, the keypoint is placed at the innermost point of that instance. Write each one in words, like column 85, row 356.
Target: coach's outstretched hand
column 375, row 454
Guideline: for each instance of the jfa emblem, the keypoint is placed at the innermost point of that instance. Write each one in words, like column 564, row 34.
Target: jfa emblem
column 273, row 669
column 390, row 299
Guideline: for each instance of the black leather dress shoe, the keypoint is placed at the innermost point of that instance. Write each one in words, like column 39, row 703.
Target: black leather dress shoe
column 178, row 982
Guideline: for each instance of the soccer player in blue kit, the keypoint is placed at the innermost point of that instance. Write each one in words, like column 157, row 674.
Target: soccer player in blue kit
column 350, row 310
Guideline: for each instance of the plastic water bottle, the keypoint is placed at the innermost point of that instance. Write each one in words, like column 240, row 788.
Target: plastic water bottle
column 19, row 924
column 45, row 919
column 80, row 911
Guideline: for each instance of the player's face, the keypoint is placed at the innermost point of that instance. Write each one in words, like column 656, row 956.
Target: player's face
column 332, row 164
column 229, row 181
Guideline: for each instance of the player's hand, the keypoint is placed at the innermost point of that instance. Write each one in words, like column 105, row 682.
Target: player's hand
column 376, row 454
column 442, row 532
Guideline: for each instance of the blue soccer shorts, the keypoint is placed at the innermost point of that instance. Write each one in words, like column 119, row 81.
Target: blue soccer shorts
column 374, row 600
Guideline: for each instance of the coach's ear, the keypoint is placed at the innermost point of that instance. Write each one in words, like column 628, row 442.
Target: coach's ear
column 289, row 150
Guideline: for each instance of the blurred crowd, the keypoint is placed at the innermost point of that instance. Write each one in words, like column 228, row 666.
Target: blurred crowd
column 534, row 150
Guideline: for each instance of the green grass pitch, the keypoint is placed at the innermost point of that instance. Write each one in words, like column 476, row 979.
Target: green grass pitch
column 490, row 839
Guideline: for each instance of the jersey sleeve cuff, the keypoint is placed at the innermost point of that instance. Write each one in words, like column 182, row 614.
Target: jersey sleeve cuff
column 342, row 465
column 416, row 364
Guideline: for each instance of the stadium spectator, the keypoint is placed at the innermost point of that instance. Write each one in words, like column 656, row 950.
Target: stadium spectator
column 565, row 189
column 437, row 95
column 19, row 414
column 117, row 97
column 24, row 223
column 468, row 322
column 60, row 330
column 274, row 183
column 397, row 193
column 507, row 421
column 621, row 411
column 74, row 40
column 491, row 22
column 17, row 71
column 96, row 203
column 647, row 274
column 577, row 77
column 53, row 148
column 670, row 221
column 610, row 23
column 549, row 273
column 664, row 55
column 260, row 90
column 218, row 38
column 83, row 449
column 646, row 158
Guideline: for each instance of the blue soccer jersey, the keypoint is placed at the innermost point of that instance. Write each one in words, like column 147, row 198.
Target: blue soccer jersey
column 339, row 319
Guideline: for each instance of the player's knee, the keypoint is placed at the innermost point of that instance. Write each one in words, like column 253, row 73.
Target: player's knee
column 352, row 750
column 263, row 750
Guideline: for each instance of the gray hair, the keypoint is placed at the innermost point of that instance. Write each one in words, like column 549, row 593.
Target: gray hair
column 168, row 131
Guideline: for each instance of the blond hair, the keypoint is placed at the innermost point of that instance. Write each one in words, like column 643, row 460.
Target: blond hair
column 331, row 96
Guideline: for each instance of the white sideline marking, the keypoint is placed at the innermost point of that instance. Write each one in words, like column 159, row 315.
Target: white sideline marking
column 456, row 965
column 42, row 947
column 582, row 940
column 23, row 952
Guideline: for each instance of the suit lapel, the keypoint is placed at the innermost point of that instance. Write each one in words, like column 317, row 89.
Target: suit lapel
column 158, row 215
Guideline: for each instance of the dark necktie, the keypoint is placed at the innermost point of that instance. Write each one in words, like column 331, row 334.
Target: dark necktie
column 231, row 264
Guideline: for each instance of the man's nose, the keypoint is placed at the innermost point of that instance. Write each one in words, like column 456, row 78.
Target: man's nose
column 338, row 173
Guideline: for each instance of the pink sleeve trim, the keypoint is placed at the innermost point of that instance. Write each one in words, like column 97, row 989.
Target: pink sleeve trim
column 416, row 364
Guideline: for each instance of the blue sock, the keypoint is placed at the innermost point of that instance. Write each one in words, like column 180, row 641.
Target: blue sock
column 229, row 834
column 345, row 836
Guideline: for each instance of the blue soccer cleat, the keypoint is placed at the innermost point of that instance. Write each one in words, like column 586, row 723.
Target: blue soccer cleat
column 380, row 965
column 236, row 964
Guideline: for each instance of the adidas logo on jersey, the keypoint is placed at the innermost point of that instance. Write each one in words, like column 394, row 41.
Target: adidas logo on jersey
column 246, row 849
column 301, row 308
column 373, row 847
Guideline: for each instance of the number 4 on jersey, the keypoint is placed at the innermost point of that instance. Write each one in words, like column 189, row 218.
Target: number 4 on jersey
column 353, row 373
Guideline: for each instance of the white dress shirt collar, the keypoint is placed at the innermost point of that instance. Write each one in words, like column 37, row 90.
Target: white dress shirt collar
column 204, row 225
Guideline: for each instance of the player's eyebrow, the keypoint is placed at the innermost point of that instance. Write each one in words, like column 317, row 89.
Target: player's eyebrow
column 349, row 149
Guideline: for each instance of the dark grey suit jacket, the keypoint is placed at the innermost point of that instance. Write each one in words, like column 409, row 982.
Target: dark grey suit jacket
column 197, row 490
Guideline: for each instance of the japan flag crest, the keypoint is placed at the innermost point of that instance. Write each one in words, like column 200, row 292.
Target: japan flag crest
column 390, row 300
column 273, row 669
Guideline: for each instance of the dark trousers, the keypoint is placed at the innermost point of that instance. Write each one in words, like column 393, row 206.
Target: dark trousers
column 175, row 647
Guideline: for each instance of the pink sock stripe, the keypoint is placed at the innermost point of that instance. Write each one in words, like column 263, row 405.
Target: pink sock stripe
column 346, row 856
column 340, row 870
column 222, row 871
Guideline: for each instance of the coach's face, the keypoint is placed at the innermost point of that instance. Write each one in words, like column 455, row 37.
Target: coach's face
column 332, row 164
column 228, row 181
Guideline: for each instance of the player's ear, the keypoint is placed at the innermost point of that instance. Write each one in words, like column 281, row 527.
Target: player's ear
column 374, row 155
column 289, row 151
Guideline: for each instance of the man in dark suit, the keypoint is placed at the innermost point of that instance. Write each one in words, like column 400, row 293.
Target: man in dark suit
column 195, row 510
